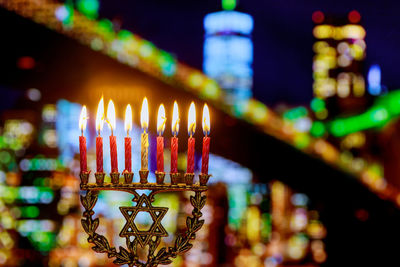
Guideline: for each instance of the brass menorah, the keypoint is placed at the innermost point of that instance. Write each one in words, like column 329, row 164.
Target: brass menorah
column 134, row 236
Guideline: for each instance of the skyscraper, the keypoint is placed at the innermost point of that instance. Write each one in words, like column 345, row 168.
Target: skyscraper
column 228, row 52
column 338, row 63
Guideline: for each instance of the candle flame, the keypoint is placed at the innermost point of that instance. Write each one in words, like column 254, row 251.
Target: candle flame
column 175, row 120
column 82, row 119
column 144, row 115
column 192, row 119
column 100, row 116
column 111, row 115
column 128, row 118
column 206, row 120
column 161, row 120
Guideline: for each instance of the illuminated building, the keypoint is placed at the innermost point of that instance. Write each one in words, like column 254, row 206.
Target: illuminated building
column 339, row 49
column 374, row 80
column 29, row 186
column 228, row 53
column 278, row 227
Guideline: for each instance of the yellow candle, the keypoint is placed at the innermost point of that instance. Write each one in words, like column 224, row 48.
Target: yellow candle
column 144, row 140
column 145, row 151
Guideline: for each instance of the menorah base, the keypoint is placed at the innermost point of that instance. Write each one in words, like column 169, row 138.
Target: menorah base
column 134, row 236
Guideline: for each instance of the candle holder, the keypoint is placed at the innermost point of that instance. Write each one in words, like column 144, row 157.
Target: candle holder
column 143, row 176
column 175, row 177
column 114, row 177
column 203, row 178
column 135, row 237
column 128, row 177
column 160, row 177
column 84, row 177
column 99, row 177
column 189, row 178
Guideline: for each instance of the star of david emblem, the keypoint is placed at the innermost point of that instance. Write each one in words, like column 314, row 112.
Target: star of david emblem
column 156, row 213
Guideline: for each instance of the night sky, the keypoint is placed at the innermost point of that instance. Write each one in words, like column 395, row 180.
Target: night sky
column 282, row 37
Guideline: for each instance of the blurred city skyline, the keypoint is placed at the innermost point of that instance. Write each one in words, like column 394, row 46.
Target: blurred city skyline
column 282, row 38
column 291, row 185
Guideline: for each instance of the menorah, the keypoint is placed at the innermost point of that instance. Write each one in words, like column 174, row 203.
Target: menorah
column 137, row 238
column 133, row 235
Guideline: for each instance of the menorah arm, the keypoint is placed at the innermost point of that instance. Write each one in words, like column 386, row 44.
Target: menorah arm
column 148, row 186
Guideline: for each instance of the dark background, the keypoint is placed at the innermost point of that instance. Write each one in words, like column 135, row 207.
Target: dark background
column 282, row 67
column 282, row 37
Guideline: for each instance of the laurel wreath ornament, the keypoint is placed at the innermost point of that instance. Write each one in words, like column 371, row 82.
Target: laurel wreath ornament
column 129, row 255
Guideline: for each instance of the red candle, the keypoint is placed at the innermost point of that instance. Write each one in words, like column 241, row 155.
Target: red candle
column 99, row 139
column 113, row 139
column 191, row 140
column 160, row 140
column 82, row 140
column 82, row 150
column 99, row 154
column 174, row 154
column 205, row 155
column 174, row 139
column 128, row 140
column 113, row 153
column 206, row 140
column 190, row 155
column 128, row 154
column 160, row 154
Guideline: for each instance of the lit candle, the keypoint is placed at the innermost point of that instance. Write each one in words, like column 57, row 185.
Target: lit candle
column 206, row 140
column 161, row 119
column 174, row 139
column 113, row 138
column 82, row 140
column 128, row 140
column 191, row 140
column 99, row 139
column 144, row 140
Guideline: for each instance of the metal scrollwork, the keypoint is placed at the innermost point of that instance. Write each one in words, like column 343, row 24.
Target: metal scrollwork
column 152, row 236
